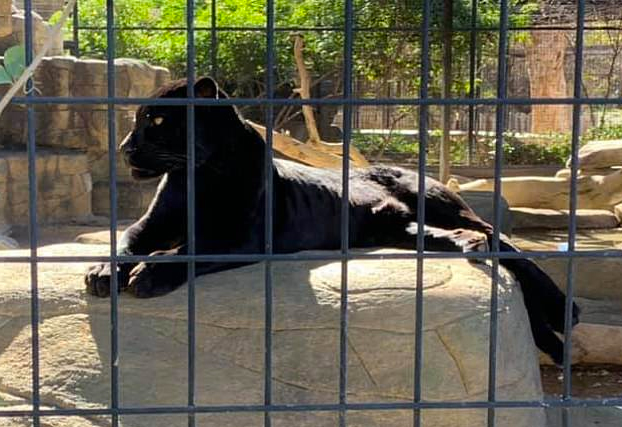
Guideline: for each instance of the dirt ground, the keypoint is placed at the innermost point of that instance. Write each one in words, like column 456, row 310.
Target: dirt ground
column 591, row 381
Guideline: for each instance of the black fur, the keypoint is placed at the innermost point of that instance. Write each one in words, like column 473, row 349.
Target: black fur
column 230, row 193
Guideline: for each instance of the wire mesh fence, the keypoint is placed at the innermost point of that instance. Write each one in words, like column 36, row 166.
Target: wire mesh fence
column 497, row 104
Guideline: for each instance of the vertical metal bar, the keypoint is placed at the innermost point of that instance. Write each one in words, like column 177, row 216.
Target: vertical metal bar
column 76, row 31
column 112, row 165
column 572, row 226
column 214, row 42
column 268, row 213
column 345, row 205
column 472, row 53
column 190, row 188
column 423, row 143
column 500, row 125
column 444, row 168
column 32, row 216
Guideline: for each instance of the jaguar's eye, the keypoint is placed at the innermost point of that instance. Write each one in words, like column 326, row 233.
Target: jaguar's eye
column 158, row 120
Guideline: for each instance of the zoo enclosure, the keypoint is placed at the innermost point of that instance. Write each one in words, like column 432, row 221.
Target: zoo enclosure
column 501, row 102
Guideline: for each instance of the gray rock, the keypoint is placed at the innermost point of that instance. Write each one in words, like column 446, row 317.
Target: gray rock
column 595, row 278
column 482, row 202
column 526, row 218
column 601, row 311
column 75, row 341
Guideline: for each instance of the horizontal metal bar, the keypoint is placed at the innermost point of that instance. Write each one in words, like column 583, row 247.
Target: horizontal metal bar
column 63, row 100
column 356, row 29
column 509, row 404
column 613, row 253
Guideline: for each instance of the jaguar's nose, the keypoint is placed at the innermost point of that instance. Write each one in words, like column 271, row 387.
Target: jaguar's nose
column 127, row 146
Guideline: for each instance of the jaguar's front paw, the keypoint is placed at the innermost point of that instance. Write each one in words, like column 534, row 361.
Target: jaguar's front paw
column 97, row 280
column 152, row 280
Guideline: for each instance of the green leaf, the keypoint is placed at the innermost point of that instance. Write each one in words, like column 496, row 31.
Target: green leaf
column 5, row 78
column 15, row 61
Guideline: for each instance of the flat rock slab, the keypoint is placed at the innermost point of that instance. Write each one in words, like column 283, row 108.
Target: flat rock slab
column 525, row 218
column 75, row 356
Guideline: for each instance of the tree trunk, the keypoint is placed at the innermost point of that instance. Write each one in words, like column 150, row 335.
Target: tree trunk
column 545, row 64
column 305, row 91
column 320, row 155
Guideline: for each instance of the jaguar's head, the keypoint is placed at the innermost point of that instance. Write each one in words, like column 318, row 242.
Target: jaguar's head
column 157, row 143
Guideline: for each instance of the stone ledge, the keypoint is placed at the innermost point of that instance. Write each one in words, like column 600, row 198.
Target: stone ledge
column 526, row 218
column 75, row 341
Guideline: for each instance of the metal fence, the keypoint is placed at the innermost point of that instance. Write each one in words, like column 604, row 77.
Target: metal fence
column 342, row 406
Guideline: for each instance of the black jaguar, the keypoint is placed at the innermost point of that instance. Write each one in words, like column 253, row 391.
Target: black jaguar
column 230, row 196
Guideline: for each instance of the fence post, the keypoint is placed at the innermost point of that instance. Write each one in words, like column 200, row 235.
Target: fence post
column 445, row 161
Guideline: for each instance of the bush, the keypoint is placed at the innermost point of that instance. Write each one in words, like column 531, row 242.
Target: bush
column 604, row 133
column 552, row 151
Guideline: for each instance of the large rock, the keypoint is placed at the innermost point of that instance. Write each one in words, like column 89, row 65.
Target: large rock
column 75, row 342
column 63, row 187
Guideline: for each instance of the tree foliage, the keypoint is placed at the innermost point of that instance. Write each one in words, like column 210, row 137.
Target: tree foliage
column 378, row 54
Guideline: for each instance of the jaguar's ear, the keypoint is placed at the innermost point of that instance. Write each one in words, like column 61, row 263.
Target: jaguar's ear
column 206, row 87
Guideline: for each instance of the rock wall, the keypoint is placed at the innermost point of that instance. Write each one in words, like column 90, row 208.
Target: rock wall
column 12, row 32
column 63, row 187
column 83, row 128
column 5, row 18
column 45, row 8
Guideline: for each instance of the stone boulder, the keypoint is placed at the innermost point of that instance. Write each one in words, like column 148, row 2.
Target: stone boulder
column 75, row 362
